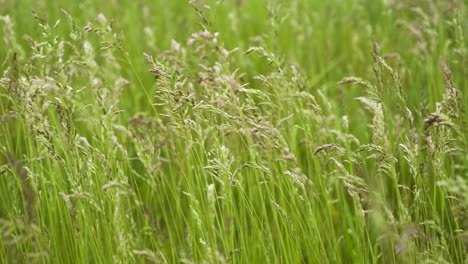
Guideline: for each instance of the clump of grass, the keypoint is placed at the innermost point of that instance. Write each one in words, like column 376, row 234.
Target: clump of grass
column 233, row 144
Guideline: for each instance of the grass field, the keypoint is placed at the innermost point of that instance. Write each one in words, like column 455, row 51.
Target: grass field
column 235, row 131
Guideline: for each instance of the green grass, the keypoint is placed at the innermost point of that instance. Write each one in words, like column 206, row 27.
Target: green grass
column 233, row 131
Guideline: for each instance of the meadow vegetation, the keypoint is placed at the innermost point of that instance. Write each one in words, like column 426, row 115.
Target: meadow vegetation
column 256, row 131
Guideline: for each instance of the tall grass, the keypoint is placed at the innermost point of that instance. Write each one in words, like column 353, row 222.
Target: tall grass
column 233, row 132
